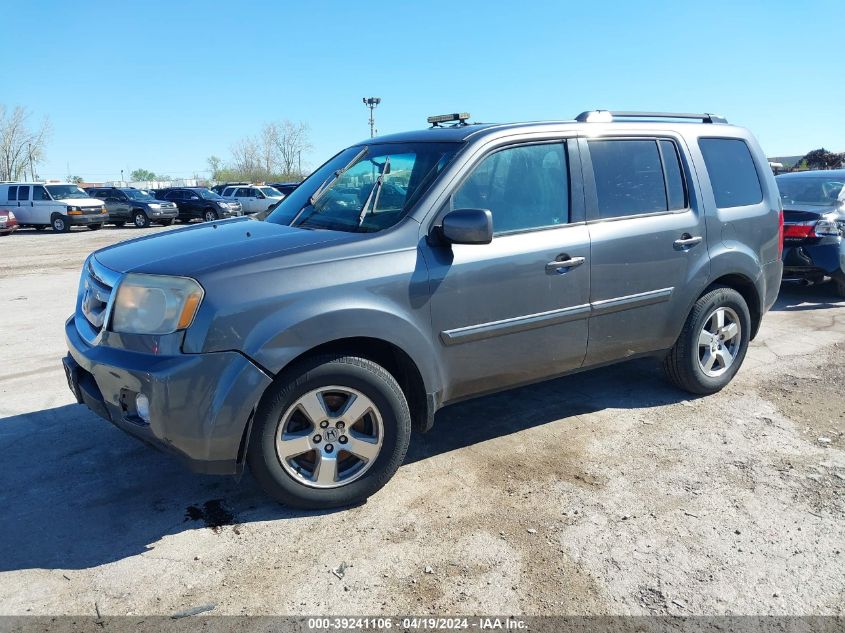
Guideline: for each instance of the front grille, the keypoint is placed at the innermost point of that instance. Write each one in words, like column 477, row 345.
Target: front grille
column 95, row 293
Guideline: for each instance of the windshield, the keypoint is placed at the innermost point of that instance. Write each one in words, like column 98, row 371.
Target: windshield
column 207, row 194
column 270, row 192
column 63, row 192
column 137, row 194
column 378, row 185
column 815, row 190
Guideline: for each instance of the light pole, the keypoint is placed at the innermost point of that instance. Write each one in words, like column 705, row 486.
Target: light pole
column 121, row 177
column 372, row 104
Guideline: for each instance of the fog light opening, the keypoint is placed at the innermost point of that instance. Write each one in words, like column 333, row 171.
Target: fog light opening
column 142, row 407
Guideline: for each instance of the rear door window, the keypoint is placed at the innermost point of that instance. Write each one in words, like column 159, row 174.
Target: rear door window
column 23, row 192
column 675, row 187
column 13, row 192
column 242, row 193
column 733, row 175
column 629, row 177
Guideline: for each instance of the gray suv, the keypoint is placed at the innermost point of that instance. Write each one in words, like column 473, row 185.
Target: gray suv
column 415, row 270
column 127, row 204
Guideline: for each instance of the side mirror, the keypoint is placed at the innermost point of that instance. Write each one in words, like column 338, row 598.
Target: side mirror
column 468, row 226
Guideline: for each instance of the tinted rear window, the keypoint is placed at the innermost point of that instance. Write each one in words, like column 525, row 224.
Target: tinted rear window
column 629, row 177
column 732, row 173
column 675, row 189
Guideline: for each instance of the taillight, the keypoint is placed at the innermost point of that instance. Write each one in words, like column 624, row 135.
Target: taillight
column 780, row 233
column 798, row 230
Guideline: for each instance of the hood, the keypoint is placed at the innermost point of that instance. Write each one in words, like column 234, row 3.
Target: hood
column 81, row 202
column 195, row 249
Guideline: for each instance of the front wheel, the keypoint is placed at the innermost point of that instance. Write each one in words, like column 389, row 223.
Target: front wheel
column 713, row 343
column 60, row 224
column 210, row 215
column 330, row 432
column 140, row 219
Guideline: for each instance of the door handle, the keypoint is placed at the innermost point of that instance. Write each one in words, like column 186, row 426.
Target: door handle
column 562, row 265
column 688, row 241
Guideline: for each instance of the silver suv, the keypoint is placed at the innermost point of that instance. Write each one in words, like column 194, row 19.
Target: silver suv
column 415, row 270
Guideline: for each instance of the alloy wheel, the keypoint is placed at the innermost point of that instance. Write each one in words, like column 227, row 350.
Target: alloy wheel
column 329, row 437
column 719, row 341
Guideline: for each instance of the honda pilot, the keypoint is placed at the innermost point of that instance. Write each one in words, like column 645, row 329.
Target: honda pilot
column 419, row 269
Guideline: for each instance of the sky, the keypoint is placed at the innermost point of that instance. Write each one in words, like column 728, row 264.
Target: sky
column 164, row 85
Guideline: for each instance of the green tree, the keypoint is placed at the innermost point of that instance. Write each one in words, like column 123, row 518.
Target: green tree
column 823, row 159
column 145, row 174
column 76, row 179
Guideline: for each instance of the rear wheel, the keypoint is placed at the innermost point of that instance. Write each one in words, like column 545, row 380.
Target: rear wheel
column 140, row 219
column 713, row 343
column 209, row 215
column 330, row 432
column 59, row 224
column 839, row 284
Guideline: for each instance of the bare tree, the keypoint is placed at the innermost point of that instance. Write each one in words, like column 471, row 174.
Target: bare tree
column 292, row 140
column 21, row 148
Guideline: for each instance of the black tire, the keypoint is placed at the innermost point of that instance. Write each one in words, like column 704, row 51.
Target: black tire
column 59, row 223
column 682, row 365
column 210, row 215
column 140, row 219
column 95, row 227
column 166, row 222
column 839, row 285
column 360, row 374
column 119, row 224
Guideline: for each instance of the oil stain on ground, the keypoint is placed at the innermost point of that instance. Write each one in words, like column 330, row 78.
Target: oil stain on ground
column 213, row 513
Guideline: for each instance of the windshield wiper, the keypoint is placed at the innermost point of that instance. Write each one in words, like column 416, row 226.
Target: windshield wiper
column 375, row 192
column 333, row 178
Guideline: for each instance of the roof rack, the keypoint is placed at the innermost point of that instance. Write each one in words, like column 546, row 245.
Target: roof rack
column 607, row 116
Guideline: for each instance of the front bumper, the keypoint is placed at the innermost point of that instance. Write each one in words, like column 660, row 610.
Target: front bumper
column 162, row 214
column 200, row 404
column 814, row 261
column 86, row 219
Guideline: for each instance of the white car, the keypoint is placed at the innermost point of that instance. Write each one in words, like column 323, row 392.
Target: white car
column 253, row 198
column 60, row 205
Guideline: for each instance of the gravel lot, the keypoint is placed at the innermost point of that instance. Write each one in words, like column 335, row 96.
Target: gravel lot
column 606, row 492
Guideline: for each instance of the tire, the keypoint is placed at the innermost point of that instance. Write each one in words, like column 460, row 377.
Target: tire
column 839, row 285
column 140, row 219
column 300, row 483
column 59, row 224
column 209, row 215
column 119, row 224
column 95, row 227
column 166, row 222
column 685, row 365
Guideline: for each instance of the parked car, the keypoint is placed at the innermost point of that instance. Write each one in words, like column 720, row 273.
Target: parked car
column 8, row 222
column 218, row 189
column 309, row 344
column 814, row 227
column 285, row 188
column 127, row 204
column 253, row 198
column 60, row 205
column 199, row 202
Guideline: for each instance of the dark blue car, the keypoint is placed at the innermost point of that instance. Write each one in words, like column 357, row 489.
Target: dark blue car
column 814, row 227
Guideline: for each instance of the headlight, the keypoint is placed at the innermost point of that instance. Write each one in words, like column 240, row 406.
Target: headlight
column 153, row 205
column 155, row 304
